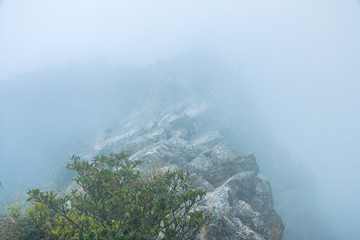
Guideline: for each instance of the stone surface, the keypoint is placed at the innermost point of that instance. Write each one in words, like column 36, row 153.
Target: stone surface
column 238, row 198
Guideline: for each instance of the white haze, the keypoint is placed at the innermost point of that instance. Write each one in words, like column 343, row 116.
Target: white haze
column 301, row 59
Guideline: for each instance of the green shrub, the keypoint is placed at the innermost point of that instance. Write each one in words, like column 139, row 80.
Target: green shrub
column 8, row 228
column 37, row 222
column 115, row 200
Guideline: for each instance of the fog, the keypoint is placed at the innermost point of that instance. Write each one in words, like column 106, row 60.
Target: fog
column 300, row 59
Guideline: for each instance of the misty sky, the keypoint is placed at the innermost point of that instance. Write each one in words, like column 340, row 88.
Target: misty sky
column 301, row 59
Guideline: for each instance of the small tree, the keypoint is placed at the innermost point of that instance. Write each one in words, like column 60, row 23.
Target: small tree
column 114, row 200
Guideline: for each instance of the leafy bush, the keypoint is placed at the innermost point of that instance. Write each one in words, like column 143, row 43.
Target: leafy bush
column 115, row 200
column 36, row 224
column 8, row 228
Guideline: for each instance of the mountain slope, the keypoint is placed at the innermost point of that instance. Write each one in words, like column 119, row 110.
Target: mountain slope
column 191, row 112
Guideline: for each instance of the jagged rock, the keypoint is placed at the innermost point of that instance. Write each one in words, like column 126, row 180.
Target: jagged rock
column 178, row 125
column 219, row 163
column 262, row 200
column 200, row 183
column 234, row 217
column 173, row 151
column 238, row 197
column 227, row 215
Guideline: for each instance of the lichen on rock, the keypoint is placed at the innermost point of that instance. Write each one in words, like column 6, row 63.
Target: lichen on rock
column 239, row 199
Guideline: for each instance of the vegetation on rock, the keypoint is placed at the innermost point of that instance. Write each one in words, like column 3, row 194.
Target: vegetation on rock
column 114, row 200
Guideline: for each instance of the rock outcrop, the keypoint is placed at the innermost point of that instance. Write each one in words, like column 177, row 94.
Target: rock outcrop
column 238, row 198
column 178, row 112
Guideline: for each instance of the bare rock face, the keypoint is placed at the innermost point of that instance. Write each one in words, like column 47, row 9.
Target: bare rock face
column 221, row 159
column 239, row 199
column 242, row 208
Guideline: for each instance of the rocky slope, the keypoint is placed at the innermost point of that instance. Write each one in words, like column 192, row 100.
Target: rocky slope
column 239, row 198
column 189, row 112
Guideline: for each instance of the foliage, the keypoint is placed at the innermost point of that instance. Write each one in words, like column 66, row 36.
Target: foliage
column 14, row 213
column 36, row 224
column 8, row 228
column 115, row 200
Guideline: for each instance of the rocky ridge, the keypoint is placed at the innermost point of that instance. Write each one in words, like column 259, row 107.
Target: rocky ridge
column 238, row 197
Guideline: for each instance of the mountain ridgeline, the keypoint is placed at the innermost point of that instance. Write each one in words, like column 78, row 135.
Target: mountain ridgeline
column 191, row 112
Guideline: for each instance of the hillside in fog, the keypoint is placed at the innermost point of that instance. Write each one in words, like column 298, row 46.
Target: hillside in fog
column 276, row 81
column 95, row 109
